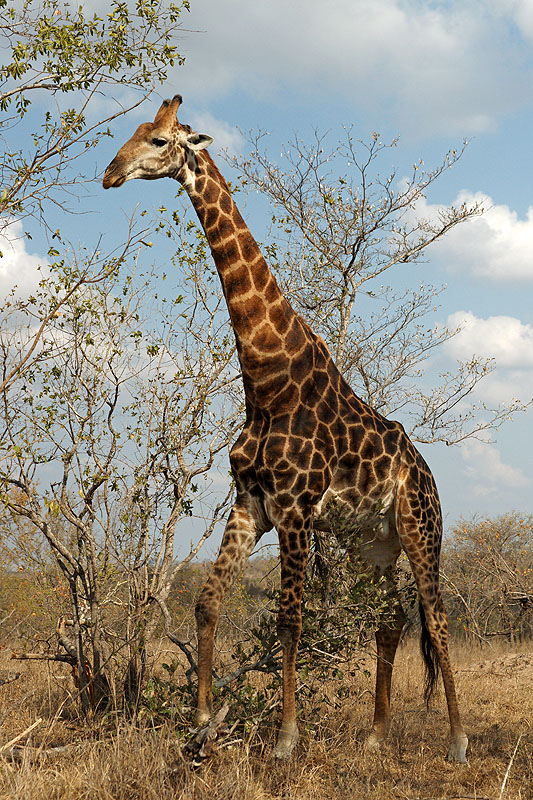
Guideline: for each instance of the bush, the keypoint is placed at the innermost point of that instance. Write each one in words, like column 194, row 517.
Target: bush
column 487, row 571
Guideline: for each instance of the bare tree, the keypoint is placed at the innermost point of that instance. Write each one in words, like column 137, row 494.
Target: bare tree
column 487, row 574
column 339, row 228
column 106, row 445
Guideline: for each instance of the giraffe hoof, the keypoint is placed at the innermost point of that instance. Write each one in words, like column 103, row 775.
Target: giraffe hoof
column 373, row 744
column 286, row 743
column 457, row 751
column 202, row 717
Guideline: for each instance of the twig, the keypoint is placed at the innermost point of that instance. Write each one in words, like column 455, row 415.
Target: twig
column 10, row 614
column 183, row 646
column 509, row 767
column 266, row 664
column 21, row 735
column 185, row 649
column 22, row 753
column 65, row 659
column 10, row 678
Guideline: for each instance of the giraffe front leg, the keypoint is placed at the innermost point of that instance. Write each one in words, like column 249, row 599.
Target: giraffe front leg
column 289, row 629
column 294, row 548
column 207, row 613
column 240, row 535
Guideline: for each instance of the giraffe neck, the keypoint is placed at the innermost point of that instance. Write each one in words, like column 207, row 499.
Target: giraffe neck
column 261, row 317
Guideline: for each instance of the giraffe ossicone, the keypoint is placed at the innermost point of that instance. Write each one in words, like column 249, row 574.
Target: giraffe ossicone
column 308, row 445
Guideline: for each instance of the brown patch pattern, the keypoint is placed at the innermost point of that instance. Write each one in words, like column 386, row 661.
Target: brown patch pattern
column 307, row 440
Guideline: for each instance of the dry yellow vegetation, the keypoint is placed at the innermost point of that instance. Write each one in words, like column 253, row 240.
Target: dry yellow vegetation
column 126, row 762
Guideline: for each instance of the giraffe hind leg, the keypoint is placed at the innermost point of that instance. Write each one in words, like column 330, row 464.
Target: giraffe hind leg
column 422, row 546
column 434, row 645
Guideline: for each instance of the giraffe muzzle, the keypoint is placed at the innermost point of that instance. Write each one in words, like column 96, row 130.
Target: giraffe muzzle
column 112, row 178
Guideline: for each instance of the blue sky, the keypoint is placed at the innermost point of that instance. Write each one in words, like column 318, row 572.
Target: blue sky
column 432, row 73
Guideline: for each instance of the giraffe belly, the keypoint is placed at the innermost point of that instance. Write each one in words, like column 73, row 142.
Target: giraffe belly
column 367, row 526
column 358, row 512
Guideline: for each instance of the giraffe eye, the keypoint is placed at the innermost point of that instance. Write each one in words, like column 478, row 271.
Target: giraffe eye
column 159, row 142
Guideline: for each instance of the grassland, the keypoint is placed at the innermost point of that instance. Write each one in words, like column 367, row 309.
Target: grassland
column 122, row 761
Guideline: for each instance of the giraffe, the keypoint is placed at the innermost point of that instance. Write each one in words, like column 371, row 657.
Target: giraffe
column 308, row 444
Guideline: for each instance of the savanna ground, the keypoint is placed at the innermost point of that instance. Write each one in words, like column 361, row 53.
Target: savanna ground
column 126, row 761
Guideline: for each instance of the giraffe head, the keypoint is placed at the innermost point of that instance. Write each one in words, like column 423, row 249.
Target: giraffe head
column 163, row 148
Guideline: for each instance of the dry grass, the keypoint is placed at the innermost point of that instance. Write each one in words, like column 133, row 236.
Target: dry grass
column 125, row 763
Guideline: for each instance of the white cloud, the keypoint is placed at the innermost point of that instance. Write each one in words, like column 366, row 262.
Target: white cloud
column 509, row 342
column 522, row 13
column 225, row 136
column 504, row 386
column 506, row 339
column 496, row 245
column 485, row 468
column 18, row 268
column 451, row 67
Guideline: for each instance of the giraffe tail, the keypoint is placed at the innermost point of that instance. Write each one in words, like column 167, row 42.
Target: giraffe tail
column 429, row 654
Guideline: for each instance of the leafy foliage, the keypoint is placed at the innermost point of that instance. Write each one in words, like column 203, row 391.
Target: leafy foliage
column 76, row 59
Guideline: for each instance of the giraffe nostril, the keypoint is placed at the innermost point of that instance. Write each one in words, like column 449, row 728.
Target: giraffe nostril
column 111, row 179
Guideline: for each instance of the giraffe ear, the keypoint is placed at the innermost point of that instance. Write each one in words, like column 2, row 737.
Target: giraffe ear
column 199, row 141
